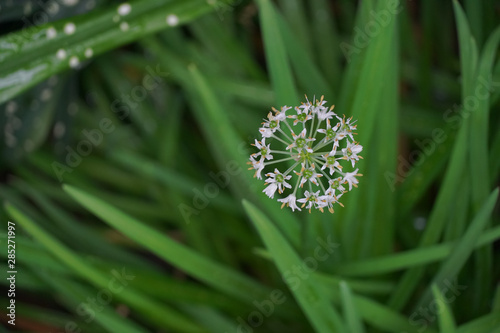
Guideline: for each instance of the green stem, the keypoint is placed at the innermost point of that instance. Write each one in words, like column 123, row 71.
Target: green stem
column 280, row 152
column 288, row 125
column 290, row 169
column 284, row 134
column 280, row 139
column 297, row 186
column 277, row 161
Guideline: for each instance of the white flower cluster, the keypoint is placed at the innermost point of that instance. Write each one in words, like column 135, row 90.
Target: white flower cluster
column 293, row 133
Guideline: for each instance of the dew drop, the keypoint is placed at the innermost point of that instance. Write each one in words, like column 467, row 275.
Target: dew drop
column 53, row 8
column 51, row 33
column 61, row 54
column 59, row 129
column 11, row 107
column 74, row 62
column 89, row 52
column 419, row 223
column 124, row 26
column 69, row 3
column 172, row 20
column 69, row 28
column 27, row 8
column 124, row 9
column 46, row 94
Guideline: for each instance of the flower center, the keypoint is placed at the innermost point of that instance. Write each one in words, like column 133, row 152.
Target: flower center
column 330, row 160
column 273, row 124
column 302, row 117
column 263, row 151
column 330, row 134
column 335, row 184
column 308, row 173
column 279, row 178
column 304, row 156
column 300, row 142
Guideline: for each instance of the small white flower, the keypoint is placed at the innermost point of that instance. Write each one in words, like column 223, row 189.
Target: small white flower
column 278, row 178
column 272, row 122
column 350, row 179
column 290, row 201
column 302, row 115
column 336, row 185
column 321, row 111
column 300, row 142
column 281, row 115
column 265, row 150
column 306, row 107
column 329, row 199
column 266, row 132
column 344, row 128
column 319, row 105
column 325, row 113
column 270, row 189
column 257, row 165
column 351, row 152
column 308, row 174
column 312, row 200
column 331, row 162
column 329, row 132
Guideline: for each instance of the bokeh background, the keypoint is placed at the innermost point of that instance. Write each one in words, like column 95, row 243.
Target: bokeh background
column 126, row 128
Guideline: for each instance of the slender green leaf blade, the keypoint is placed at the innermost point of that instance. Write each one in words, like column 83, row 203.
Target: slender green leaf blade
column 351, row 315
column 322, row 316
column 277, row 60
column 204, row 269
column 445, row 315
column 153, row 310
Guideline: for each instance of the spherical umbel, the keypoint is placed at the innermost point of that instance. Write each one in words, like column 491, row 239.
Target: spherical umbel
column 302, row 141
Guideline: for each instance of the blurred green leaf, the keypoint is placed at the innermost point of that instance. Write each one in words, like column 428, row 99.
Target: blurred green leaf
column 446, row 320
column 64, row 44
column 153, row 310
column 276, row 56
column 204, row 269
column 322, row 316
column 464, row 247
column 351, row 316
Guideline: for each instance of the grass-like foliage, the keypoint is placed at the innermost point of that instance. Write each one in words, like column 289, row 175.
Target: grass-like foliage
column 127, row 130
